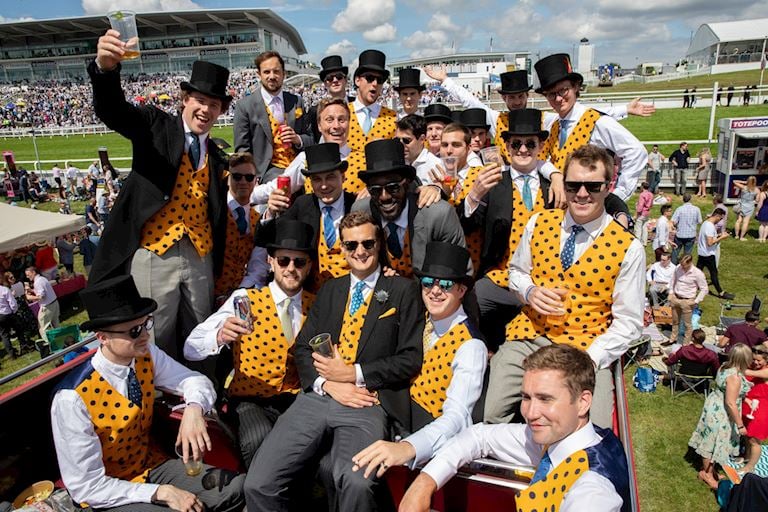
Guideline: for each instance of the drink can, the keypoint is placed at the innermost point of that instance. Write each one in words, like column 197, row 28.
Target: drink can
column 243, row 310
column 284, row 184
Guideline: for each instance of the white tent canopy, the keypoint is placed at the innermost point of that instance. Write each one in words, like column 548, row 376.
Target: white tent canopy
column 20, row 227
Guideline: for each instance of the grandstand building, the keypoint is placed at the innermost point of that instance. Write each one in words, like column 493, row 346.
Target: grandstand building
column 170, row 43
column 728, row 46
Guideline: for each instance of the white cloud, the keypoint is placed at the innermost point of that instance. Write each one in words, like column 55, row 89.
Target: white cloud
column 362, row 15
column 104, row 6
column 345, row 48
column 381, row 34
column 443, row 36
column 440, row 21
column 3, row 19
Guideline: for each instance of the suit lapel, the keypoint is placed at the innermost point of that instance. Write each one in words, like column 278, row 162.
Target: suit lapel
column 289, row 107
column 261, row 114
column 176, row 143
column 375, row 308
column 338, row 304
column 349, row 200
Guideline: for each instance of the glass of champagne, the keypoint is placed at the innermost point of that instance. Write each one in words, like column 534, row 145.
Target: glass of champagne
column 125, row 23
column 491, row 155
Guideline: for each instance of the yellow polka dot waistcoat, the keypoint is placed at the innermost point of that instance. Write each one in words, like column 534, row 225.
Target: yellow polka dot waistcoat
column 186, row 213
column 383, row 128
column 236, row 254
column 429, row 388
column 520, row 217
column 282, row 156
column 474, row 239
column 579, row 136
column 502, row 125
column 547, row 494
column 331, row 262
column 122, row 427
column 263, row 359
column 402, row 265
column 351, row 327
column 590, row 280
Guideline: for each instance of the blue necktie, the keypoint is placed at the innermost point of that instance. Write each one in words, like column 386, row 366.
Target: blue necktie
column 367, row 122
column 393, row 241
column 563, row 131
column 527, row 198
column 242, row 225
column 134, row 388
column 328, row 230
column 566, row 258
column 544, row 466
column 194, row 151
column 357, row 298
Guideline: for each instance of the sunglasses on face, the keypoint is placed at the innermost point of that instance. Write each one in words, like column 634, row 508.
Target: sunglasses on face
column 135, row 331
column 351, row 245
column 404, row 140
column 563, row 93
column 593, row 187
column 444, row 284
column 516, row 144
column 391, row 188
column 248, row 177
column 335, row 76
column 284, row 261
column 370, row 78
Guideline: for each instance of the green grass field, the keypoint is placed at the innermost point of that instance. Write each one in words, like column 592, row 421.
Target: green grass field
column 739, row 79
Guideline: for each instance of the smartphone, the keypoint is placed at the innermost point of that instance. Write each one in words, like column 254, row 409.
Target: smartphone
column 243, row 311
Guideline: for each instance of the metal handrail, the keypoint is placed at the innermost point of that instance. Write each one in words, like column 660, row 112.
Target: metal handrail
column 46, row 360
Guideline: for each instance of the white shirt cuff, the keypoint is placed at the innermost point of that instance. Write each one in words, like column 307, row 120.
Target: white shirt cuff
column 317, row 386
column 422, row 445
column 359, row 379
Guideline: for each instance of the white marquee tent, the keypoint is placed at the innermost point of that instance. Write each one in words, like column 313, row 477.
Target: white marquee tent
column 20, row 227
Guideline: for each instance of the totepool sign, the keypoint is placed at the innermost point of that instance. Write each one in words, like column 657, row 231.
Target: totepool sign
column 752, row 122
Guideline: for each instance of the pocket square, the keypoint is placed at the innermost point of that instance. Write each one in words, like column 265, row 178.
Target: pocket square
column 389, row 312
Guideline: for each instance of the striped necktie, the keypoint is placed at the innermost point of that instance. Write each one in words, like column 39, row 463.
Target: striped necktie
column 328, row 229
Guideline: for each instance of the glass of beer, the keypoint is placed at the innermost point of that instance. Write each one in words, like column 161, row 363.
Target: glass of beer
column 322, row 344
column 491, row 155
column 558, row 321
column 125, row 23
column 192, row 467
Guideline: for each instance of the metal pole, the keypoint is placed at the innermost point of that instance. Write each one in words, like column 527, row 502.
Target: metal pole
column 762, row 69
column 712, row 111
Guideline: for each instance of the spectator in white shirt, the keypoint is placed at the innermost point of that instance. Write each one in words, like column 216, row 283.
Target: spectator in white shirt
column 659, row 276
column 708, row 245
column 661, row 240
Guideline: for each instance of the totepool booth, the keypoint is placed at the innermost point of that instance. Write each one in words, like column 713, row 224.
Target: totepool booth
column 742, row 151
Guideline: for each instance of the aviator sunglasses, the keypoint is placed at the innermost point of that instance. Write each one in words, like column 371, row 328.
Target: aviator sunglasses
column 330, row 77
column 370, row 78
column 351, row 245
column 444, row 284
column 135, row 331
column 284, row 261
column 519, row 143
column 391, row 188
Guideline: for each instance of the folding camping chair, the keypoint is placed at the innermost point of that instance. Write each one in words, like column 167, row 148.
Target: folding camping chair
column 727, row 321
column 637, row 350
column 690, row 376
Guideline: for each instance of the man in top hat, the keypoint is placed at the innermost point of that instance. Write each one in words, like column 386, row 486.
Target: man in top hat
column 409, row 90
column 375, row 323
column 451, row 378
column 242, row 223
column 268, row 123
column 168, row 225
column 393, row 204
column 334, row 76
column 579, row 466
column 583, row 289
column 475, row 120
column 102, row 414
column 499, row 211
column 577, row 125
column 369, row 121
column 412, row 134
column 437, row 116
column 263, row 386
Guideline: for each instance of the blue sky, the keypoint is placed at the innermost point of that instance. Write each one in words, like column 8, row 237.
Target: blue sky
column 624, row 31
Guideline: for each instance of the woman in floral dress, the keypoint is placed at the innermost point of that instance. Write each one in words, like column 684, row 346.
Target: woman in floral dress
column 716, row 438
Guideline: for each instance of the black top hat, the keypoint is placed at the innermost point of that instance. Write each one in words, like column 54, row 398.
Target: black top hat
column 513, row 82
column 385, row 156
column 323, row 158
column 372, row 60
column 330, row 64
column 525, row 121
column 409, row 79
column 456, row 116
column 474, row 118
column 437, row 112
column 114, row 301
column 209, row 79
column 288, row 234
column 554, row 68
column 443, row 260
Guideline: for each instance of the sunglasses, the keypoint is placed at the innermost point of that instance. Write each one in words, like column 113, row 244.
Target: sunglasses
column 284, row 261
column 351, row 245
column 370, row 78
column 335, row 76
column 404, row 140
column 135, row 331
column 563, row 93
column 391, row 188
column 593, row 187
column 528, row 143
column 248, row 177
column 444, row 284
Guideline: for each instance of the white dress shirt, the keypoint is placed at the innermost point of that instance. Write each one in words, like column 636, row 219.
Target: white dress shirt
column 608, row 133
column 44, row 291
column 628, row 291
column 201, row 342
column 662, row 233
column 260, row 194
column 78, row 447
column 466, row 384
column 473, row 159
column 374, row 108
column 203, row 146
column 513, row 443
column 370, row 284
column 275, row 103
column 424, row 163
column 660, row 274
column 8, row 304
column 233, row 204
